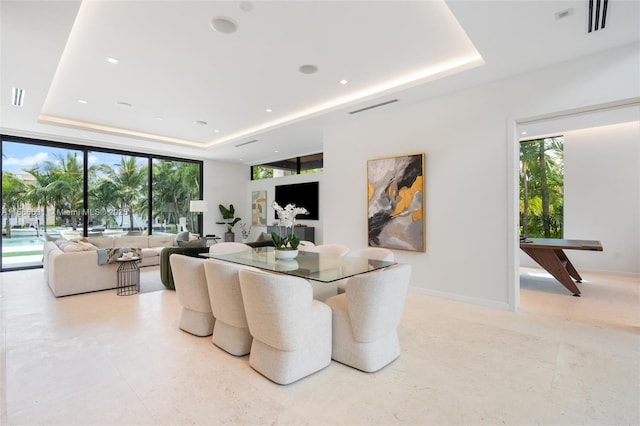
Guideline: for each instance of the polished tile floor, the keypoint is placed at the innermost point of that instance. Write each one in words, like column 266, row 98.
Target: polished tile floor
column 121, row 360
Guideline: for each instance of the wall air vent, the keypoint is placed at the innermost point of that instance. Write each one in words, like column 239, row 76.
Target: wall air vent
column 597, row 15
column 373, row 106
column 246, row 143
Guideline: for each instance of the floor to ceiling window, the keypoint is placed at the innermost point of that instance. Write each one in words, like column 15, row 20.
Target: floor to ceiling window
column 118, row 193
column 69, row 191
column 175, row 184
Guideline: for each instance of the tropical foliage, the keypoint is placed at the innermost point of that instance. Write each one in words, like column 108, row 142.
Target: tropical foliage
column 13, row 190
column 542, row 188
column 115, row 191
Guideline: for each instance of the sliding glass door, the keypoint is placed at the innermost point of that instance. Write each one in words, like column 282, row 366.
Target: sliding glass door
column 66, row 191
column 118, row 194
column 41, row 192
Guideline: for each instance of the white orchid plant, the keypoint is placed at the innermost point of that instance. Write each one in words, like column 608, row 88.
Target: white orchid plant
column 287, row 240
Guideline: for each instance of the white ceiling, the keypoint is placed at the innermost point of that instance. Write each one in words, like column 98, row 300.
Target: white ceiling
column 175, row 70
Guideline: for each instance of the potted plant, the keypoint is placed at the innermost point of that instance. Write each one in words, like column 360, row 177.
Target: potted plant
column 228, row 219
column 286, row 242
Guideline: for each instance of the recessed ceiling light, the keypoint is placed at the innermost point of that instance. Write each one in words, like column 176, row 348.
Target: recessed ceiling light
column 269, row 110
column 524, row 133
column 563, row 14
column 159, row 118
column 82, row 101
column 216, row 130
column 201, row 123
column 276, row 150
column 124, row 104
column 224, row 25
column 17, row 96
column 111, row 60
column 344, row 81
column 308, row 69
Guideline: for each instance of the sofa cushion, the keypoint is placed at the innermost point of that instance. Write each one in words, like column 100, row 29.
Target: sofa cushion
column 131, row 241
column 101, row 242
column 150, row 252
column 161, row 240
column 77, row 246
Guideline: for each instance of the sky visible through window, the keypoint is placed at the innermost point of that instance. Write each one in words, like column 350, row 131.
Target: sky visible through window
column 20, row 156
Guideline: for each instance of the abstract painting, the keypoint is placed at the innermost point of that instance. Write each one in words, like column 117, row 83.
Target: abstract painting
column 395, row 202
column 259, row 208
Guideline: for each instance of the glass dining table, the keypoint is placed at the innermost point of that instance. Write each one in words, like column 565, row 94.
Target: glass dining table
column 309, row 265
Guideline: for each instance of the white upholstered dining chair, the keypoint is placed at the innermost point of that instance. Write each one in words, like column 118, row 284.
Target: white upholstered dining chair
column 191, row 287
column 323, row 291
column 304, row 245
column 332, row 249
column 228, row 247
column 375, row 253
column 366, row 317
column 291, row 331
column 230, row 331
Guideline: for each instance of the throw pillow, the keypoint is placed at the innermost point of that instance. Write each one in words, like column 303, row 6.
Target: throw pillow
column 195, row 243
column 264, row 236
column 182, row 236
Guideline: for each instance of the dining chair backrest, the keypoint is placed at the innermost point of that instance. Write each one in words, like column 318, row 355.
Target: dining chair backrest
column 332, row 249
column 228, row 247
column 376, row 253
column 224, row 292
column 231, row 330
column 277, row 308
column 190, row 282
column 375, row 301
column 305, row 245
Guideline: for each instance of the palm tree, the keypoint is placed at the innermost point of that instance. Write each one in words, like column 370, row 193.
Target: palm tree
column 67, row 177
column 174, row 185
column 102, row 198
column 541, row 187
column 13, row 190
column 41, row 193
column 130, row 182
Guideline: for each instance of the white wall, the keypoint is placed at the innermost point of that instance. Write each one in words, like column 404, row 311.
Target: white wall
column 224, row 183
column 602, row 196
column 466, row 137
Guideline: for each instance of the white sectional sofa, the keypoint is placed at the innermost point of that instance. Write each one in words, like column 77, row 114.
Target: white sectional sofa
column 72, row 267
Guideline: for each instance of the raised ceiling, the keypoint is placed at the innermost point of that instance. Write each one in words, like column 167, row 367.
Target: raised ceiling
column 181, row 87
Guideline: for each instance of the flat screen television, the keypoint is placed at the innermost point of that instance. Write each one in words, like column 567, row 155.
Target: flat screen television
column 302, row 195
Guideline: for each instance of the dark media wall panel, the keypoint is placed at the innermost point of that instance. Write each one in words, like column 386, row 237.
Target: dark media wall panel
column 302, row 195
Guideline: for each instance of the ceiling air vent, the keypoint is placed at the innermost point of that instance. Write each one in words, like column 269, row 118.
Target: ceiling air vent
column 373, row 106
column 246, row 143
column 17, row 96
column 597, row 15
